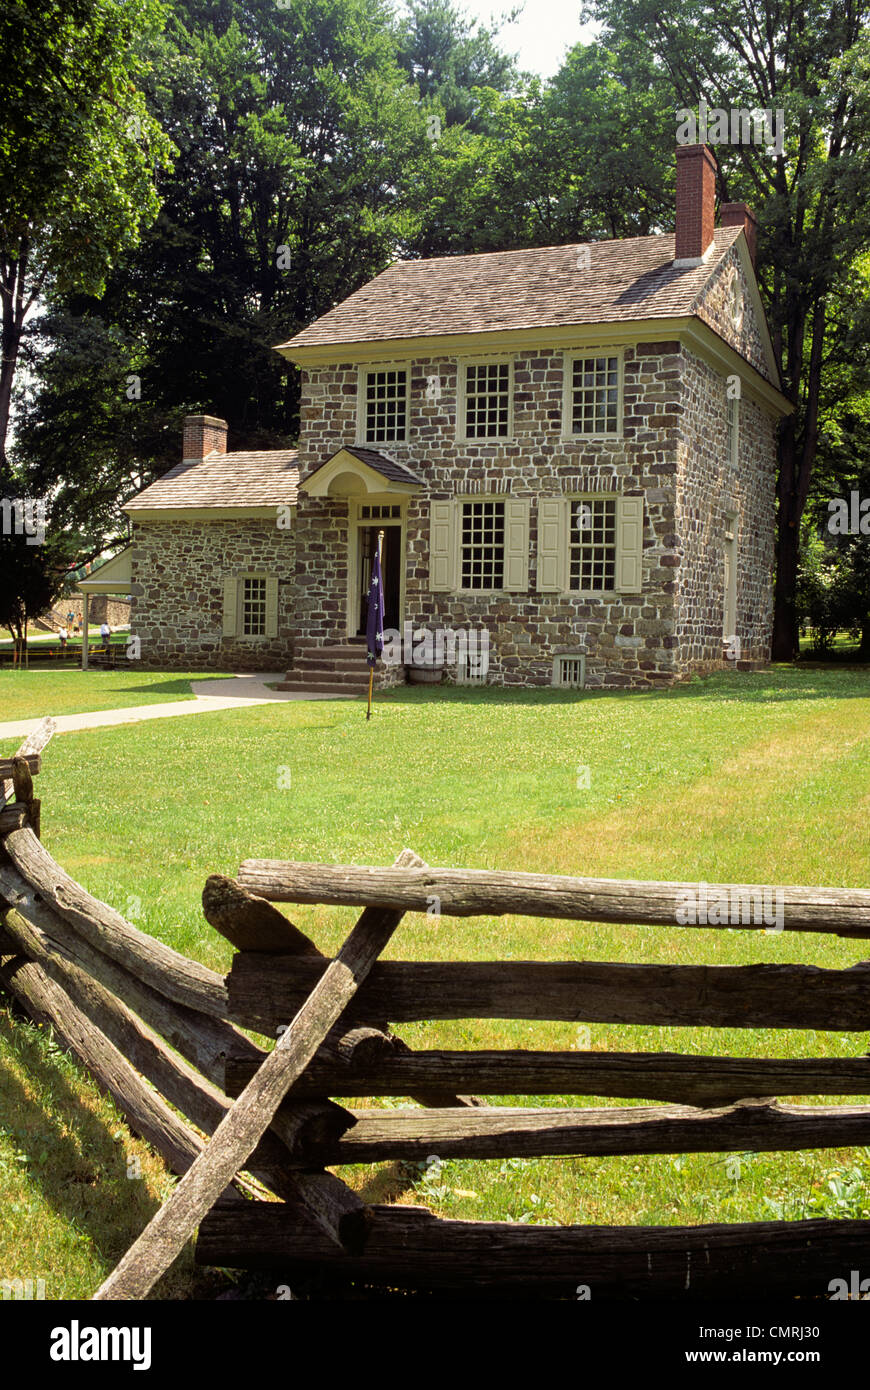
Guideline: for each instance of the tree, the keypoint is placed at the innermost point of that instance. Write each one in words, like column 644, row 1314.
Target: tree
column 450, row 56
column 810, row 60
column 301, row 148
column 77, row 153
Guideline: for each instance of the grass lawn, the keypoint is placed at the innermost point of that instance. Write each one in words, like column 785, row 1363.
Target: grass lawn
column 758, row 777
column 66, row 690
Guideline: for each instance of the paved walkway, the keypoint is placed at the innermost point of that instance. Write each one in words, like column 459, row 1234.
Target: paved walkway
column 247, row 688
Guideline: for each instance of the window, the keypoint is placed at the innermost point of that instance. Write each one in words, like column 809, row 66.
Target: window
column 593, row 396
column 386, row 406
column 487, row 400
column 482, row 545
column 732, row 431
column 250, row 606
column 592, row 545
column 729, row 598
column 254, row 608
column 380, row 511
column 569, row 670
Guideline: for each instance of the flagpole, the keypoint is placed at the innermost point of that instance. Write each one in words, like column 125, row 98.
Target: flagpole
column 372, row 667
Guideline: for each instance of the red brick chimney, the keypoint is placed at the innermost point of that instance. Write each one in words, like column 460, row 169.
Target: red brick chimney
column 203, row 435
column 739, row 215
column 696, row 198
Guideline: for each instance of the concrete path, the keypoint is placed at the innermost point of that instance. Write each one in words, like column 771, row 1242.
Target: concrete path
column 238, row 691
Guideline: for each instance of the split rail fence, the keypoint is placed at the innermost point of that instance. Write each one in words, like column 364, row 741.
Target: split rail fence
column 164, row 1037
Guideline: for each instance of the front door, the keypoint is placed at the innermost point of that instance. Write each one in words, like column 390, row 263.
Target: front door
column 391, row 572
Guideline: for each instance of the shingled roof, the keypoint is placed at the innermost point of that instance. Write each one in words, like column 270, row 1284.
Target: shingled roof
column 248, row 478
column 541, row 287
column 382, row 463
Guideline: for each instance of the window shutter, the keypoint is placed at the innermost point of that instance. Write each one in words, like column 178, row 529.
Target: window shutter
column 629, row 545
column 516, row 544
column 271, row 607
column 552, row 544
column 231, row 593
column 442, row 547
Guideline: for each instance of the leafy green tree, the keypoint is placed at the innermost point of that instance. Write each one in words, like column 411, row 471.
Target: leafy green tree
column 302, row 147
column 811, row 60
column 78, row 151
column 449, row 56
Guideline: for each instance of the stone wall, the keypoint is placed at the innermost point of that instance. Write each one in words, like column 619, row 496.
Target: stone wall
column 709, row 488
column 178, row 572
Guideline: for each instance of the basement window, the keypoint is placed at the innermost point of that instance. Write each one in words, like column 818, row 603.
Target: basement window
column 569, row 670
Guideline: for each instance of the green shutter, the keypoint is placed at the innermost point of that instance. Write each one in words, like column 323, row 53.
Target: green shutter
column 629, row 545
column 552, row 544
column 271, row 607
column 516, row 544
column 442, row 547
column 231, row 597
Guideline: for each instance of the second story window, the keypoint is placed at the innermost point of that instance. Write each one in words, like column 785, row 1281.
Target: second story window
column 482, row 545
column 487, row 400
column 593, row 403
column 592, row 545
column 386, row 406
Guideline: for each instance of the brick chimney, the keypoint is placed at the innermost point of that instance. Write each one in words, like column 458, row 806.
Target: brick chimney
column 696, row 198
column 739, row 215
column 203, row 435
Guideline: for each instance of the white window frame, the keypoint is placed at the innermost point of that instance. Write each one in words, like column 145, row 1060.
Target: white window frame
column 471, row 500
column 559, row 661
column 566, row 572
column 561, row 554
column 569, row 357
column 363, row 373
column 732, row 436
column 244, row 580
column 500, row 359
column 238, row 604
column 730, row 562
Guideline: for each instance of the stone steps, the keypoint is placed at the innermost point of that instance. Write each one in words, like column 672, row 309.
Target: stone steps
column 338, row 668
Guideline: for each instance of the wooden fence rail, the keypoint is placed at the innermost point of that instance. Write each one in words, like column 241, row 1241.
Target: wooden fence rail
column 238, row 1120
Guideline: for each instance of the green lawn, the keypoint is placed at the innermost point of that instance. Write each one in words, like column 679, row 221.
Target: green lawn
column 757, row 777
column 66, row 690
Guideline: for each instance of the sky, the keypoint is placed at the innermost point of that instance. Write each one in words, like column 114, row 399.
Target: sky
column 541, row 35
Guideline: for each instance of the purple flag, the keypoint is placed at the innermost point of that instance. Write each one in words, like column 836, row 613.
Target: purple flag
column 375, row 624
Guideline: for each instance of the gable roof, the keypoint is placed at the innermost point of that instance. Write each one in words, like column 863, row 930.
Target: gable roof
column 352, row 469
column 247, row 478
column 537, row 287
column 382, row 463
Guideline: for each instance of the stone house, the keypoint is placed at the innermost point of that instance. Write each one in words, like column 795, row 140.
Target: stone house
column 570, row 448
